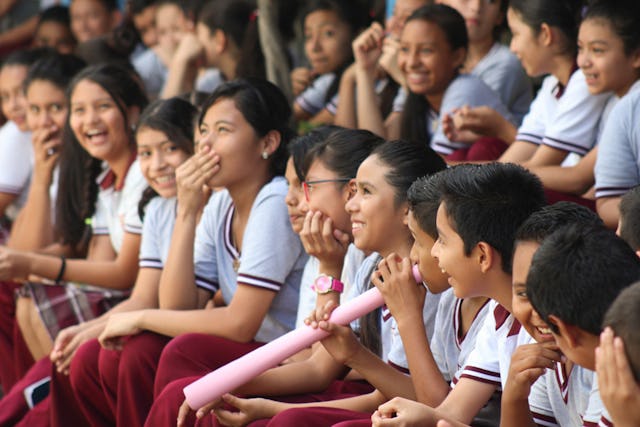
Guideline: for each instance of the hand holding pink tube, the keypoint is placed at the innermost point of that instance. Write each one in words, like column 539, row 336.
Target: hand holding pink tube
column 243, row 369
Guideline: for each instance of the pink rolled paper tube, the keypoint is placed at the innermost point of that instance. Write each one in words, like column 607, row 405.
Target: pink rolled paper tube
column 240, row 371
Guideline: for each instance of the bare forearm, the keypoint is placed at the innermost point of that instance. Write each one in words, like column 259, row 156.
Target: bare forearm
column 33, row 230
column 346, row 111
column 515, row 412
column 108, row 274
column 368, row 112
column 177, row 289
column 19, row 34
column 430, row 387
column 179, row 80
column 381, row 375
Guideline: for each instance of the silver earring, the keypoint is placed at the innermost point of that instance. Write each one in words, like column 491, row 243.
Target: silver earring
column 265, row 155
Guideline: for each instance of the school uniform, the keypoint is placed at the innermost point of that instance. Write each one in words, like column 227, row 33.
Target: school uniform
column 465, row 89
column 116, row 212
column 565, row 118
column 501, row 333
column 392, row 352
column 617, row 167
column 596, row 414
column 307, row 301
column 64, row 305
column 152, row 71
column 16, row 164
column 501, row 70
column 449, row 346
column 314, row 98
column 219, row 266
column 561, row 398
column 93, row 389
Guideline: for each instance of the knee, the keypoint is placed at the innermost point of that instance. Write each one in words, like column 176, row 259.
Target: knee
column 84, row 365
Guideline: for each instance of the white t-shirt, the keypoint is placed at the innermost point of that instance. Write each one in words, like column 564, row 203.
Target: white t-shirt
column 496, row 341
column 157, row 229
column 272, row 255
column 596, row 414
column 567, row 118
column 16, row 164
column 307, row 303
column 312, row 100
column 117, row 208
column 449, row 348
column 618, row 164
column 501, row 70
column 561, row 398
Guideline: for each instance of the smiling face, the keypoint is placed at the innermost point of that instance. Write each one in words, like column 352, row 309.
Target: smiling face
column 225, row 129
column 97, row 122
column 463, row 270
column 377, row 224
column 328, row 197
column 480, row 17
column 433, row 277
column 426, row 58
column 327, row 41
column 90, row 19
column 171, row 24
column 525, row 44
column 14, row 103
column 520, row 304
column 46, row 108
column 603, row 61
column 159, row 158
column 296, row 206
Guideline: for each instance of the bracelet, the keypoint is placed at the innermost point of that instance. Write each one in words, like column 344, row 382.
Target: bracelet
column 63, row 266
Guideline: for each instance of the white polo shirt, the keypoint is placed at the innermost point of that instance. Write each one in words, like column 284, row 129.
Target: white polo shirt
column 501, row 333
column 16, row 164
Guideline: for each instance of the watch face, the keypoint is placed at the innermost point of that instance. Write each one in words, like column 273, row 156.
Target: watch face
column 323, row 284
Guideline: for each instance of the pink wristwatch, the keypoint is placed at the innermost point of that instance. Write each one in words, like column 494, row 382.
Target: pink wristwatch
column 325, row 284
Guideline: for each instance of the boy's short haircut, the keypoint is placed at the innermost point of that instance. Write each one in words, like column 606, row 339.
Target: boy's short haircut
column 424, row 199
column 136, row 7
column 59, row 14
column 630, row 218
column 487, row 203
column 577, row 273
column 551, row 218
column 624, row 317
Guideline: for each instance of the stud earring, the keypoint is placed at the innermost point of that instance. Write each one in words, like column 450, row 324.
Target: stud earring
column 265, row 155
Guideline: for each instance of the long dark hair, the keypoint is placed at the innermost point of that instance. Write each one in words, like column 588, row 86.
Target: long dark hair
column 78, row 170
column 238, row 20
column 349, row 12
column 264, row 107
column 417, row 108
column 407, row 161
column 564, row 15
column 174, row 117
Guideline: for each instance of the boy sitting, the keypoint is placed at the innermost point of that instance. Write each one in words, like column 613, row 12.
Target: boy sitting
column 482, row 207
column 574, row 277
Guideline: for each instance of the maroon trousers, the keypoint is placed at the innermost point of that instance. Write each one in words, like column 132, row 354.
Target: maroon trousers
column 15, row 358
column 13, row 406
column 484, row 148
column 185, row 359
column 116, row 387
column 320, row 417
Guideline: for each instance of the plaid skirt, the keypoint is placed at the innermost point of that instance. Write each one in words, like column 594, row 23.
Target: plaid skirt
column 60, row 306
